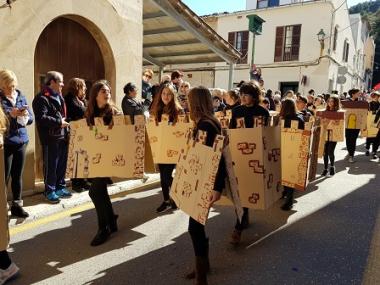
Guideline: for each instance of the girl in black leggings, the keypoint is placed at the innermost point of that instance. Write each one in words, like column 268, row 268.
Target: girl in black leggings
column 166, row 103
column 333, row 105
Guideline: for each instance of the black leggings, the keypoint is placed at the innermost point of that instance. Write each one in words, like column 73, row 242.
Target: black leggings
column 5, row 261
column 166, row 171
column 329, row 153
column 103, row 206
column 376, row 143
column 14, row 157
column 198, row 237
column 351, row 137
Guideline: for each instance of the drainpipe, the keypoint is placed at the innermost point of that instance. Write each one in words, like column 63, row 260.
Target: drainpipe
column 231, row 75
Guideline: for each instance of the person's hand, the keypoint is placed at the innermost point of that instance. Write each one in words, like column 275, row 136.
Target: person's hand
column 215, row 196
column 14, row 112
column 64, row 124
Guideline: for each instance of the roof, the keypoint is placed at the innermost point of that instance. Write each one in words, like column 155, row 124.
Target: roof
column 174, row 34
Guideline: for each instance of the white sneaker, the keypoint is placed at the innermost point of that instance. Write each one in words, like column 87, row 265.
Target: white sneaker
column 8, row 273
column 351, row 159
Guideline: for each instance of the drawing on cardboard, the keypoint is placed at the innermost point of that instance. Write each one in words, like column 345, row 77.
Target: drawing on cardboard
column 195, row 176
column 113, row 151
column 356, row 114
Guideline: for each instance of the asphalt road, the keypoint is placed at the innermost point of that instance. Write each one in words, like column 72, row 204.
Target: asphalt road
column 325, row 239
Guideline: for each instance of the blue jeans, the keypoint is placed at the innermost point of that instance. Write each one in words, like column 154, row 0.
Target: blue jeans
column 55, row 161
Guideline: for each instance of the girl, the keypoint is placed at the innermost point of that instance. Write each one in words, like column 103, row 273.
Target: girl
column 166, row 104
column 16, row 140
column 201, row 112
column 232, row 99
column 288, row 113
column 76, row 105
column 100, row 105
column 333, row 105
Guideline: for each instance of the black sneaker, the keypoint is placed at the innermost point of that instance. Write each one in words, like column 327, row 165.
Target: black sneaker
column 367, row 153
column 173, row 205
column 324, row 173
column 332, row 170
column 18, row 211
column 101, row 237
column 77, row 188
column 374, row 156
column 164, row 207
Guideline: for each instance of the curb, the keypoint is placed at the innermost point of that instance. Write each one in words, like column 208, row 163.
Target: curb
column 38, row 207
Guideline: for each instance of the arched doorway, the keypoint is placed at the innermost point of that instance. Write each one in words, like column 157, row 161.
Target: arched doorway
column 67, row 45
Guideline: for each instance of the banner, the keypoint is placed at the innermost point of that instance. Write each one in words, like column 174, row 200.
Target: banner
column 195, row 175
column 167, row 140
column 105, row 151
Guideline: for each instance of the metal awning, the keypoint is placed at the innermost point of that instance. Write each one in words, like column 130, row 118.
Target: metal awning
column 174, row 34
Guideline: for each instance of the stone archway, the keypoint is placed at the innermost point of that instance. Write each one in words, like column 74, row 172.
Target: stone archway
column 74, row 46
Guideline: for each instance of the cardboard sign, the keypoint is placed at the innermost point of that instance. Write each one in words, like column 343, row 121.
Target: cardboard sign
column 4, row 233
column 257, row 164
column 195, row 175
column 166, row 140
column 332, row 128
column 105, row 151
column 224, row 118
column 372, row 127
column 356, row 114
column 299, row 150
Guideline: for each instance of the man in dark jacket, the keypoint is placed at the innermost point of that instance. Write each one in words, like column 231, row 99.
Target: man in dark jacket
column 50, row 115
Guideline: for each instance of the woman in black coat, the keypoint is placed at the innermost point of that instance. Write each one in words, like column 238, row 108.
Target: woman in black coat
column 130, row 105
column 76, row 105
column 201, row 112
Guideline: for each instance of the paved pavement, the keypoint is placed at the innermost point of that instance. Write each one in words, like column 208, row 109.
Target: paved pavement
column 330, row 237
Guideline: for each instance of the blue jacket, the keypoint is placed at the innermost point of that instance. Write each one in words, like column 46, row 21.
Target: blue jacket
column 16, row 133
column 49, row 110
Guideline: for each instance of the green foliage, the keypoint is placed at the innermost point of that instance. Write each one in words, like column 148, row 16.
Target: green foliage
column 365, row 7
column 370, row 10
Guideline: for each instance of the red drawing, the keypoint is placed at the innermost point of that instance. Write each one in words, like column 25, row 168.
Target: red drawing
column 278, row 187
column 254, row 198
column 265, row 143
column 96, row 158
column 257, row 168
column 171, row 153
column 246, row 148
column 118, row 160
column 274, row 154
column 240, row 124
column 186, row 192
column 258, row 121
column 178, row 134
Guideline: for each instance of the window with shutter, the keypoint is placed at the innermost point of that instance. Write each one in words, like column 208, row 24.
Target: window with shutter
column 335, row 38
column 287, row 44
column 279, row 44
column 239, row 40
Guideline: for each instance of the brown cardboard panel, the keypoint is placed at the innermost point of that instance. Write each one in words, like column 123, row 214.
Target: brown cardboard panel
column 195, row 177
column 256, row 163
column 296, row 154
column 372, row 127
column 356, row 114
column 332, row 128
column 166, row 141
column 4, row 233
column 105, row 151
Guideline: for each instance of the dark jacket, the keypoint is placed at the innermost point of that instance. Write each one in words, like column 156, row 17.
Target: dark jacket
column 131, row 107
column 16, row 133
column 288, row 121
column 49, row 109
column 146, row 90
column 247, row 113
column 374, row 106
column 212, row 130
column 74, row 108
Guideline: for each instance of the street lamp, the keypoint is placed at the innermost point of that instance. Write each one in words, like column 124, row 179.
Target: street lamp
column 321, row 38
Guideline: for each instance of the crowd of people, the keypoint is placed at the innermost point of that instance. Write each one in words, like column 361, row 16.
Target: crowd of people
column 53, row 112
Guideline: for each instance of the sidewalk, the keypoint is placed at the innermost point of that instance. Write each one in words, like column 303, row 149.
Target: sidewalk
column 38, row 207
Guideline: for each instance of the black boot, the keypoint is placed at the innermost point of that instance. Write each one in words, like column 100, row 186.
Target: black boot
column 101, row 237
column 192, row 274
column 288, row 205
column 113, row 224
column 18, row 211
column 201, row 268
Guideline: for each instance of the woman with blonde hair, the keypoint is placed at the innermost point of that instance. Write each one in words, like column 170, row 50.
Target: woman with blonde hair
column 16, row 139
column 201, row 112
column 166, row 103
column 101, row 105
column 7, row 268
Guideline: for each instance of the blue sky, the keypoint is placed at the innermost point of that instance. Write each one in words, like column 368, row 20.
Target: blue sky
column 204, row 7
